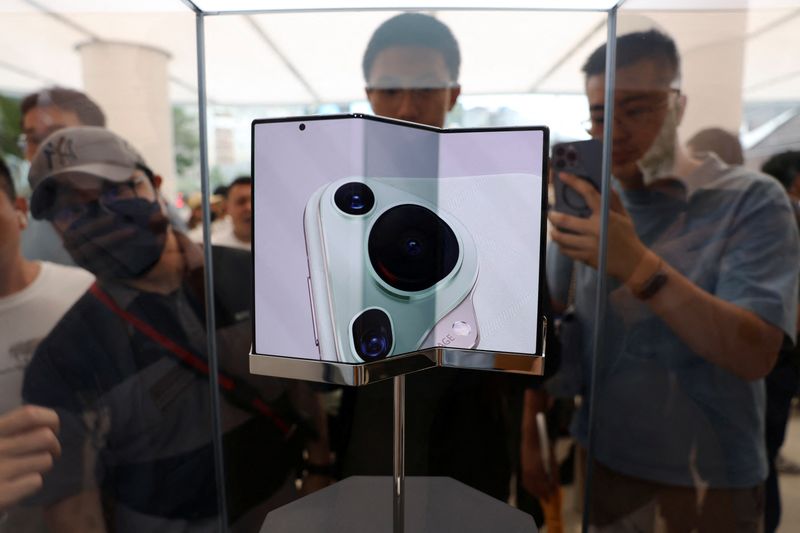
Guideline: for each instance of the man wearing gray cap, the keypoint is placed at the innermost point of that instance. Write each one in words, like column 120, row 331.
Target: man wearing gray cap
column 127, row 368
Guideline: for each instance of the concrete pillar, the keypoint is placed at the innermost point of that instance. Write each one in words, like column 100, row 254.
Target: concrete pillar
column 712, row 48
column 130, row 82
column 713, row 75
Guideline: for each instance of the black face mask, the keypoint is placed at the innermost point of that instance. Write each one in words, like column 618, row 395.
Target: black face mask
column 121, row 239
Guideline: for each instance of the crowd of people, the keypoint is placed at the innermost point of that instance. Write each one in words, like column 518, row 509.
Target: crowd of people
column 107, row 414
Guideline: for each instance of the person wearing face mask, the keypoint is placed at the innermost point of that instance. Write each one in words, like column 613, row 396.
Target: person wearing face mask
column 702, row 280
column 127, row 371
column 44, row 112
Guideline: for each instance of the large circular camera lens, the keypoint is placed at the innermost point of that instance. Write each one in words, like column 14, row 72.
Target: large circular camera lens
column 354, row 198
column 372, row 335
column 411, row 248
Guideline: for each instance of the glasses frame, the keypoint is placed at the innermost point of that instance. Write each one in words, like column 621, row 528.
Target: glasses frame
column 591, row 127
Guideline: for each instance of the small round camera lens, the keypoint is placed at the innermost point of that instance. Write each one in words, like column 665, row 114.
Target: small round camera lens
column 560, row 163
column 302, row 127
column 373, row 343
column 372, row 335
column 354, row 198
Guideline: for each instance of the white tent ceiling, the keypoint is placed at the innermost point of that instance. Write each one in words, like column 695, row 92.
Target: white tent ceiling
column 314, row 57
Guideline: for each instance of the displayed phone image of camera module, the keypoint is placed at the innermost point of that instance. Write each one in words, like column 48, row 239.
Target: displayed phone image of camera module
column 389, row 271
column 582, row 159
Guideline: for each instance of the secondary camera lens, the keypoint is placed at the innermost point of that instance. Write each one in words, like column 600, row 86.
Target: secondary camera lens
column 372, row 335
column 411, row 248
column 354, row 198
column 373, row 343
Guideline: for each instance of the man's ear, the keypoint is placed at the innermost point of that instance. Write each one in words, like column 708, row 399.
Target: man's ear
column 454, row 93
column 157, row 181
column 794, row 188
column 21, row 206
column 681, row 107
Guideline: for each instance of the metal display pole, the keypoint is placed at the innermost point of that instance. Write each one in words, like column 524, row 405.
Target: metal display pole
column 605, row 202
column 213, row 362
column 399, row 481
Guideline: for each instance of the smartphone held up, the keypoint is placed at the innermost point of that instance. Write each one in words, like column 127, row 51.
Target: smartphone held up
column 583, row 159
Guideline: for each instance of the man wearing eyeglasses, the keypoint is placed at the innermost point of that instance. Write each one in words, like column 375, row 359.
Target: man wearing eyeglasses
column 127, row 367
column 702, row 279
column 458, row 422
column 44, row 112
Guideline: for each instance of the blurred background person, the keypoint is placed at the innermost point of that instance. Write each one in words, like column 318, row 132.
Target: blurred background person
column 785, row 167
column 783, row 383
column 220, row 221
column 717, row 141
column 44, row 112
column 194, row 223
column 239, row 209
column 33, row 297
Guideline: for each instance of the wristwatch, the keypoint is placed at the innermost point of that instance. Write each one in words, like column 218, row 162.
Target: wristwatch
column 654, row 283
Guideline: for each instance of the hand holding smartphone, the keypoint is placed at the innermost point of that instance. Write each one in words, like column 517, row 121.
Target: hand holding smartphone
column 583, row 159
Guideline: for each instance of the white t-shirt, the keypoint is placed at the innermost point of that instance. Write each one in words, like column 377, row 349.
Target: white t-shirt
column 219, row 226
column 27, row 316
column 228, row 238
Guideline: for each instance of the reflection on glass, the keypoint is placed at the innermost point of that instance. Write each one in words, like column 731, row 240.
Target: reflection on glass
column 519, row 68
column 126, row 368
column 455, row 419
column 702, row 266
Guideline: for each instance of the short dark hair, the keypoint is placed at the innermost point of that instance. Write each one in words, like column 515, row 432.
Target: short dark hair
column 784, row 167
column 6, row 181
column 414, row 29
column 635, row 47
column 88, row 112
column 221, row 190
column 239, row 180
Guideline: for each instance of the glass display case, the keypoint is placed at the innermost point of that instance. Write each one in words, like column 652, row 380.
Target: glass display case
column 669, row 400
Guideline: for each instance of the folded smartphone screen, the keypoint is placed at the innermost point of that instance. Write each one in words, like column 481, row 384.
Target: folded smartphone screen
column 375, row 238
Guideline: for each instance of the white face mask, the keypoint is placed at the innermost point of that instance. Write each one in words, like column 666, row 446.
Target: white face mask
column 659, row 160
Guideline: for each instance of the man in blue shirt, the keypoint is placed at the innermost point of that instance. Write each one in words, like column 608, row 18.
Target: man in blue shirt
column 702, row 280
